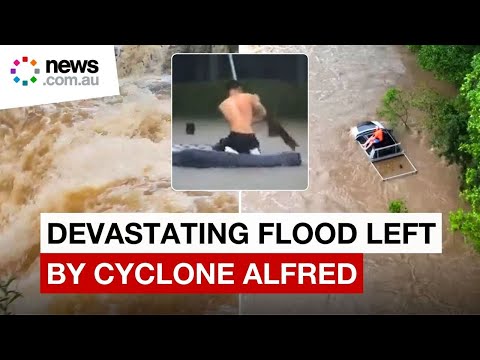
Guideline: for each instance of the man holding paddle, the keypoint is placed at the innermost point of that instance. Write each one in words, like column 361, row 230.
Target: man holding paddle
column 241, row 110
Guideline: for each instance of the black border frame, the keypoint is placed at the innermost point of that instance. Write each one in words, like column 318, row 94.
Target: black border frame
column 249, row 23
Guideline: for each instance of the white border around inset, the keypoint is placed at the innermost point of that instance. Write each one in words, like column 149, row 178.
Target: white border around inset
column 241, row 190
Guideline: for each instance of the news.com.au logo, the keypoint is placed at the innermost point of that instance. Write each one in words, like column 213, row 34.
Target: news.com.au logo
column 27, row 71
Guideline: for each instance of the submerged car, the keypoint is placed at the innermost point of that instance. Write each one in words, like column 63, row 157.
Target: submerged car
column 388, row 148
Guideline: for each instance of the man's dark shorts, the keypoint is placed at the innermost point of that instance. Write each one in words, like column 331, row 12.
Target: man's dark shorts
column 241, row 143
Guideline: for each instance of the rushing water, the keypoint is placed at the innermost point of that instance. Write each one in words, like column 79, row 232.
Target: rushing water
column 346, row 85
column 103, row 155
column 112, row 154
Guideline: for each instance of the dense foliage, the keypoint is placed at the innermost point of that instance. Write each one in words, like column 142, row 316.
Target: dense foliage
column 468, row 222
column 396, row 106
column 455, row 124
column 447, row 121
column 447, row 62
column 397, row 206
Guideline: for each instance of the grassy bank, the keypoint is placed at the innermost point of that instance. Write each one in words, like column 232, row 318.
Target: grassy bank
column 453, row 123
column 201, row 100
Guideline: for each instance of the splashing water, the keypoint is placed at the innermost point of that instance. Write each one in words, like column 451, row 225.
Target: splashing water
column 101, row 155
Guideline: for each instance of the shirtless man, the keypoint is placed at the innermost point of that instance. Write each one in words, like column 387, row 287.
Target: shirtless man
column 241, row 110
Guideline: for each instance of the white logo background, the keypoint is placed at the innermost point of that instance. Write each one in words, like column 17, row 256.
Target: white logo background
column 13, row 94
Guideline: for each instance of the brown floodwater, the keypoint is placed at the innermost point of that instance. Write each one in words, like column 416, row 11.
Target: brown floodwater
column 100, row 155
column 112, row 155
column 346, row 86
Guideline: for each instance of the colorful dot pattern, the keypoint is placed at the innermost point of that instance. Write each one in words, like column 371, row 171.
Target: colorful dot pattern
column 13, row 71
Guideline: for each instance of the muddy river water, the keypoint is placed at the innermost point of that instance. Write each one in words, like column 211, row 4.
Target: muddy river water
column 113, row 155
column 346, row 85
column 99, row 155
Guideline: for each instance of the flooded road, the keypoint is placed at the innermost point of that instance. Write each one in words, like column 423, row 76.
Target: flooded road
column 346, row 86
column 277, row 178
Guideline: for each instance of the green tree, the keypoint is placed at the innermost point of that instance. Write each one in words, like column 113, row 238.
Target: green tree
column 397, row 206
column 468, row 222
column 446, row 121
column 447, row 62
column 395, row 107
column 455, row 124
column 414, row 48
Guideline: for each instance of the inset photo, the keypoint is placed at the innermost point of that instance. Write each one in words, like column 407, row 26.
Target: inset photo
column 239, row 122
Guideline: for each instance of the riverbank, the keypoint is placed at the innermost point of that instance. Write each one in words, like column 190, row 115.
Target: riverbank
column 453, row 118
column 347, row 84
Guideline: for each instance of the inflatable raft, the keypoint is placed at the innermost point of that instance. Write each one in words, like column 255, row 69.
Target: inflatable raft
column 203, row 156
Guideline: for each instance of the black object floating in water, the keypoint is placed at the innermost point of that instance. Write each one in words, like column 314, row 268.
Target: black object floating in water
column 276, row 129
column 190, row 129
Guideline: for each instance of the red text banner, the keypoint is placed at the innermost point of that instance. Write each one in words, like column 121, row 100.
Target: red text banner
column 201, row 273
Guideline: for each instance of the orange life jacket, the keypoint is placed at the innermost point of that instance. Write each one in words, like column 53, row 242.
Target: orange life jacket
column 378, row 134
